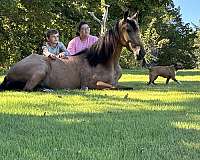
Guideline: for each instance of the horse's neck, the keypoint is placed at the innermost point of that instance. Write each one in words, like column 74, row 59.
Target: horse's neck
column 117, row 53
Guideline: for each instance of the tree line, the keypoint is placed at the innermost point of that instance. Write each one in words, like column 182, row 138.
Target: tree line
column 166, row 38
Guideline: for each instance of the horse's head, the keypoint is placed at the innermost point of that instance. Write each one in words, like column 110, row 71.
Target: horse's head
column 130, row 35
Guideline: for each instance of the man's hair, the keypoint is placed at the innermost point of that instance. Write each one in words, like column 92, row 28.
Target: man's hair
column 51, row 32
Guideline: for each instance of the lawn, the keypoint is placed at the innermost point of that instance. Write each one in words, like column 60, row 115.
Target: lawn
column 147, row 123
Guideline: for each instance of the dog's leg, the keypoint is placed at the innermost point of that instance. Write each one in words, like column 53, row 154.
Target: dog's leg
column 176, row 80
column 150, row 78
column 167, row 81
column 149, row 83
column 154, row 83
column 155, row 77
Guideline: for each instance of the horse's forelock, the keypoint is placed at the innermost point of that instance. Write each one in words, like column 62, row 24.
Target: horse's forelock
column 133, row 24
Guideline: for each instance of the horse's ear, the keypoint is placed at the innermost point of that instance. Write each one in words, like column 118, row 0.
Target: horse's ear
column 126, row 15
column 135, row 16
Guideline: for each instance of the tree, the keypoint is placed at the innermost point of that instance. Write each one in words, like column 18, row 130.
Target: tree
column 24, row 22
column 197, row 45
column 181, row 40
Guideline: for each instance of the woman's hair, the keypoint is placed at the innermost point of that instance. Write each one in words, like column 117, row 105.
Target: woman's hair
column 79, row 27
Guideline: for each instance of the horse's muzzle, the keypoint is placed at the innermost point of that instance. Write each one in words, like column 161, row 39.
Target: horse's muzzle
column 135, row 49
column 141, row 54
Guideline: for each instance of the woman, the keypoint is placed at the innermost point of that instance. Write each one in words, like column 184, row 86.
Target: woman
column 82, row 40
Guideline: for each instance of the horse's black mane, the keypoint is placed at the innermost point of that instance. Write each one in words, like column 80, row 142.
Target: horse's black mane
column 103, row 49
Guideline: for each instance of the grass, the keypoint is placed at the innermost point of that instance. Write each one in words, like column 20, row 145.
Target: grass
column 152, row 123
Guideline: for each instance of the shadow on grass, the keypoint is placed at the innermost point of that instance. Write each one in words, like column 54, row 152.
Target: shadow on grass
column 114, row 134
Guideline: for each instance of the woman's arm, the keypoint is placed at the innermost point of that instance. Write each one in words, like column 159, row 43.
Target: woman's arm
column 72, row 47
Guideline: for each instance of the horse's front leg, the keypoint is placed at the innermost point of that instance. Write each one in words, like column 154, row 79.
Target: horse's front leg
column 117, row 74
column 104, row 85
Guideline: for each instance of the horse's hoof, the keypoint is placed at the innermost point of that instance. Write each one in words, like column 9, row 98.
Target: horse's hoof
column 84, row 88
column 47, row 90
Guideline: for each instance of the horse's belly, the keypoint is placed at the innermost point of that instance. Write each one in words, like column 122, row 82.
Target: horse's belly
column 61, row 82
column 63, row 75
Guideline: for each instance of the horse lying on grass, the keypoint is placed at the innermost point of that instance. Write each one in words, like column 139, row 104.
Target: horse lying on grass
column 95, row 68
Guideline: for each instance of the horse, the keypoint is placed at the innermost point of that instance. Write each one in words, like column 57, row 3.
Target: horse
column 96, row 67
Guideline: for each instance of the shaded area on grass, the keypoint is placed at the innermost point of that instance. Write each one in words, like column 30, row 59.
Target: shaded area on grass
column 114, row 134
column 119, row 132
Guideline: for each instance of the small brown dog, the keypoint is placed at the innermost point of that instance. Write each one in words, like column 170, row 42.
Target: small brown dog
column 168, row 72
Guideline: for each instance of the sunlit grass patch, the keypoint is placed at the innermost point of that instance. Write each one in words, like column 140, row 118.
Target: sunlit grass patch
column 186, row 125
column 191, row 145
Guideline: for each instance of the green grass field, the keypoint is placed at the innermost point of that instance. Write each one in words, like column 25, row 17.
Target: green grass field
column 153, row 123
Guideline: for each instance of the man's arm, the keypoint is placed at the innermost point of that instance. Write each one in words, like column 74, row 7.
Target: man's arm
column 47, row 53
column 63, row 49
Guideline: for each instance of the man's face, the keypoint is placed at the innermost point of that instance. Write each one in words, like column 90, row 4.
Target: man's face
column 54, row 38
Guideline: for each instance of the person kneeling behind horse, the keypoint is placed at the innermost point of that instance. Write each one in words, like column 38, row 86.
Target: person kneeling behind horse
column 53, row 47
column 168, row 72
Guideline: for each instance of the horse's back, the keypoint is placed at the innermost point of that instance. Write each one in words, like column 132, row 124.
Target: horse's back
column 25, row 68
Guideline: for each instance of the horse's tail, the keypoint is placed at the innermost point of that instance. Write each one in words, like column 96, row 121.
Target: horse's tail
column 3, row 84
column 11, row 85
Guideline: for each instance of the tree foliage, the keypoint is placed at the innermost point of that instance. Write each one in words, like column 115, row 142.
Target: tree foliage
column 24, row 22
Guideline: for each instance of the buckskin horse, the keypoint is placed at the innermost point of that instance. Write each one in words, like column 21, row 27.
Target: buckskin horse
column 95, row 68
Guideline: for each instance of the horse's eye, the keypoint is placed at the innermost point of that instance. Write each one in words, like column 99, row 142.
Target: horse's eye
column 128, row 30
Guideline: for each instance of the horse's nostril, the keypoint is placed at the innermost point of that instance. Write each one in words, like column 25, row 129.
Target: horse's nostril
column 138, row 57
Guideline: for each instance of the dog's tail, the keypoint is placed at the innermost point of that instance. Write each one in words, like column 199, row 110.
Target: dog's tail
column 149, row 68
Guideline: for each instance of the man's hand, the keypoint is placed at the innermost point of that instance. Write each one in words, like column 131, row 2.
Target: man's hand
column 52, row 56
column 62, row 55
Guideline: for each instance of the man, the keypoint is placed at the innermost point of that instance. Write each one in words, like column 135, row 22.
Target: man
column 53, row 48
